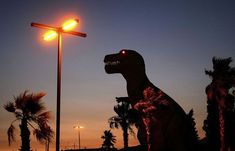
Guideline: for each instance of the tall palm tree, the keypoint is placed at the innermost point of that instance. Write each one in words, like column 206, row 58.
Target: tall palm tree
column 30, row 111
column 220, row 122
column 123, row 118
column 109, row 140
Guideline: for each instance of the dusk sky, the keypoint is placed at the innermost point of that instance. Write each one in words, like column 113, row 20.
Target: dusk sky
column 177, row 39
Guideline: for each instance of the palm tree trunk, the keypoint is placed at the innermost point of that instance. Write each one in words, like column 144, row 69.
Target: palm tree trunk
column 25, row 133
column 47, row 144
column 125, row 137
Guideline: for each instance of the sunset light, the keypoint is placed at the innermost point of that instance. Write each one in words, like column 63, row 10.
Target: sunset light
column 82, row 75
column 77, row 127
column 50, row 35
column 70, row 24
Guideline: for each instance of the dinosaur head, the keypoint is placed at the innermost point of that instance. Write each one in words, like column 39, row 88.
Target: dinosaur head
column 124, row 62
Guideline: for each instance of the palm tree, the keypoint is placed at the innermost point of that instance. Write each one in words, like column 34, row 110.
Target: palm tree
column 123, row 118
column 193, row 131
column 29, row 110
column 109, row 140
column 220, row 122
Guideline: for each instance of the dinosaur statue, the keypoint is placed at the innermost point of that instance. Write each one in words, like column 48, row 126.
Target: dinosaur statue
column 163, row 124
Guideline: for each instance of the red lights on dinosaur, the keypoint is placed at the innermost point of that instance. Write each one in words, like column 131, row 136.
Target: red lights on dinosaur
column 123, row 52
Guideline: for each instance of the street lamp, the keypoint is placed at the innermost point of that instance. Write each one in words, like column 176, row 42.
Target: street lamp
column 51, row 34
column 78, row 127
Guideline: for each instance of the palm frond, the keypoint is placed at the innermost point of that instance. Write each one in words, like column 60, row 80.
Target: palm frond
column 132, row 132
column 34, row 103
column 40, row 137
column 114, row 125
column 41, row 119
column 10, row 133
column 45, row 115
column 20, row 100
column 10, row 107
column 30, row 103
column 118, row 110
column 44, row 134
column 133, row 116
column 114, row 122
column 34, row 107
column 38, row 96
column 18, row 115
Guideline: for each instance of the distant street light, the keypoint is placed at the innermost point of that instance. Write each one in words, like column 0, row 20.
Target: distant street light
column 78, row 127
column 50, row 35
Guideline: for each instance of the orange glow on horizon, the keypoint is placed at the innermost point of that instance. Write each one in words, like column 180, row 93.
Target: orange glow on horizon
column 70, row 24
column 50, row 35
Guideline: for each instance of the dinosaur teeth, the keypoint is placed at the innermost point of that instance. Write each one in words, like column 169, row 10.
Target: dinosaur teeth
column 112, row 63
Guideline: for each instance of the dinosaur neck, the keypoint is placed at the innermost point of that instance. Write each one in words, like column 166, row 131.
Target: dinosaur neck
column 136, row 83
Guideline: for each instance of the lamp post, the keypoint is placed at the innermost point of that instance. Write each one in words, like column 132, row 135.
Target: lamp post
column 52, row 33
column 78, row 127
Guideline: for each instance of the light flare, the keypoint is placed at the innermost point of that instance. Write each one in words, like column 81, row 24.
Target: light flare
column 70, row 24
column 50, row 35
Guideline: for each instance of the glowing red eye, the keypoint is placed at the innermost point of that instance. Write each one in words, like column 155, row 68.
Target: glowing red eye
column 123, row 52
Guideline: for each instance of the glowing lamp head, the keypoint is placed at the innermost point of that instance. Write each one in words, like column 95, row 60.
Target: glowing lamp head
column 50, row 35
column 78, row 127
column 70, row 24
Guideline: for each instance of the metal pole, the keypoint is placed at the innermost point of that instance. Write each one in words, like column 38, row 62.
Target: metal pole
column 79, row 141
column 58, row 91
column 59, row 66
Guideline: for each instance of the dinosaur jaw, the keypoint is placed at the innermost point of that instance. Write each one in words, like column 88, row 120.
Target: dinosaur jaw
column 112, row 63
column 112, row 67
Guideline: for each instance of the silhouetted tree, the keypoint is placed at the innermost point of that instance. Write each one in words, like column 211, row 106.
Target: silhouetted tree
column 30, row 111
column 220, row 122
column 123, row 118
column 194, row 133
column 109, row 140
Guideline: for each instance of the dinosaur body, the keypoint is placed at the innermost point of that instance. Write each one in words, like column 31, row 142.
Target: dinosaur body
column 163, row 125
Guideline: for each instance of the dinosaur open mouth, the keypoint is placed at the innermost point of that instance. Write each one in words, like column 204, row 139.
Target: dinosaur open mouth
column 112, row 63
